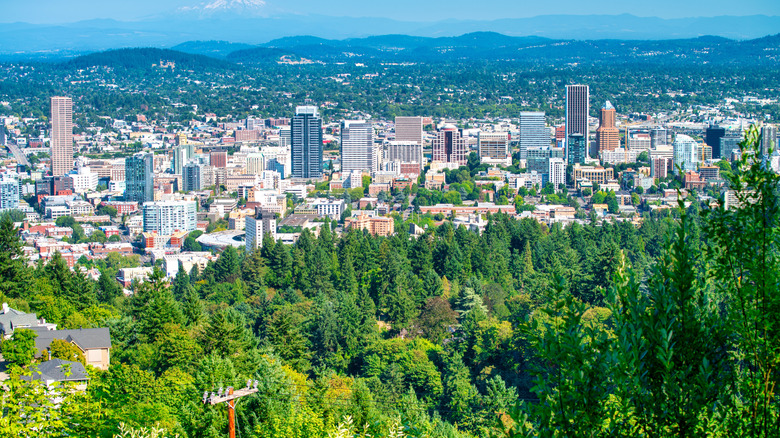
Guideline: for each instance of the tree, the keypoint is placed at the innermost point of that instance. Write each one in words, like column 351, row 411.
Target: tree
column 154, row 306
column 107, row 210
column 61, row 349
column 20, row 349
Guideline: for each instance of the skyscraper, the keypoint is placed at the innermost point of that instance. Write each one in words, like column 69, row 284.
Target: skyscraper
column 607, row 135
column 192, row 177
column 577, row 104
column 449, row 146
column 180, row 158
column 533, row 133
column 218, row 159
column 257, row 226
column 61, row 135
column 685, row 152
column 577, row 149
column 306, row 139
column 493, row 148
column 712, row 137
column 768, row 139
column 657, row 137
column 409, row 129
column 139, row 178
column 357, row 146
column 168, row 217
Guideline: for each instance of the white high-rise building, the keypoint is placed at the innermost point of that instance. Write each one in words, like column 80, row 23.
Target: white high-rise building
column 257, row 226
column 409, row 129
column 532, row 132
column 84, row 180
column 404, row 152
column 685, row 153
column 357, row 146
column 557, row 172
column 168, row 217
column 493, row 148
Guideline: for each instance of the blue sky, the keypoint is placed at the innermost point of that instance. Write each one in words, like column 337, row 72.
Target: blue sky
column 64, row 11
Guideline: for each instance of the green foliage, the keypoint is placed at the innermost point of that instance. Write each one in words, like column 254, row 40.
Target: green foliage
column 20, row 349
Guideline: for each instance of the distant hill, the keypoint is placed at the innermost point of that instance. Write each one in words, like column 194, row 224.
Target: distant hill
column 45, row 40
column 215, row 49
column 145, row 57
column 494, row 46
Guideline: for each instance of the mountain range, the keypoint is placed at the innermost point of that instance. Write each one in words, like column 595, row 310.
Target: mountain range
column 223, row 22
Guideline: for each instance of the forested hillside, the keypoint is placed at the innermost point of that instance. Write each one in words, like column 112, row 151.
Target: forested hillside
column 665, row 329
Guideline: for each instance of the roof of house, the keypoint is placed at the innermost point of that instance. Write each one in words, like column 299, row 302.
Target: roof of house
column 86, row 339
column 12, row 318
column 59, row 370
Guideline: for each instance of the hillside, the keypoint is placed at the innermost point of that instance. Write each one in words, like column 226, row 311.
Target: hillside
column 145, row 57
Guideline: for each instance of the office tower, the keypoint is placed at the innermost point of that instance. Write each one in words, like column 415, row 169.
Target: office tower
column 404, row 152
column 253, row 124
column 607, row 134
column 168, row 217
column 685, row 152
column 284, row 137
column 639, row 141
column 533, row 133
column 493, row 148
column 577, row 149
column 255, row 163
column 729, row 143
column 180, row 158
column 306, row 139
column 9, row 194
column 712, row 137
column 449, row 146
column 768, row 139
column 557, row 172
column 61, row 135
column 577, row 104
column 257, row 226
column 192, row 177
column 658, row 137
column 538, row 159
column 357, row 146
column 218, row 159
column 139, row 178
column 409, row 129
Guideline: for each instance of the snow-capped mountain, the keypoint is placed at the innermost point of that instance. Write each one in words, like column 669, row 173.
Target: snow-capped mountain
column 235, row 8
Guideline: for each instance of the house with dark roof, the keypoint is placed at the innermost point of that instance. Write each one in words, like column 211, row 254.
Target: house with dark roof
column 95, row 343
column 58, row 370
column 11, row 319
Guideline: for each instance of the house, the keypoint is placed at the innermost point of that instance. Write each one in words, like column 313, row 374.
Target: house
column 58, row 370
column 11, row 319
column 95, row 343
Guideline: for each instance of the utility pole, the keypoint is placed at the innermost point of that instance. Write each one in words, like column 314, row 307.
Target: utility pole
column 230, row 397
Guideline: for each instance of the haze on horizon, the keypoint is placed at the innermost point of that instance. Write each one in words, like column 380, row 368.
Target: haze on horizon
column 58, row 11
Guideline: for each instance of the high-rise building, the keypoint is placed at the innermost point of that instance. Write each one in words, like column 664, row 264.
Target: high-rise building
column 730, row 143
column 577, row 105
column 712, row 137
column 192, row 177
column 180, row 158
column 218, row 159
column 9, row 194
column 686, row 152
column 532, row 132
column 409, row 129
column 557, row 172
column 768, row 139
column 658, row 137
column 306, row 138
column 139, row 178
column 538, row 159
column 357, row 146
column 493, row 148
column 257, row 226
column 577, row 149
column 61, row 135
column 404, row 152
column 168, row 217
column 607, row 134
column 449, row 146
